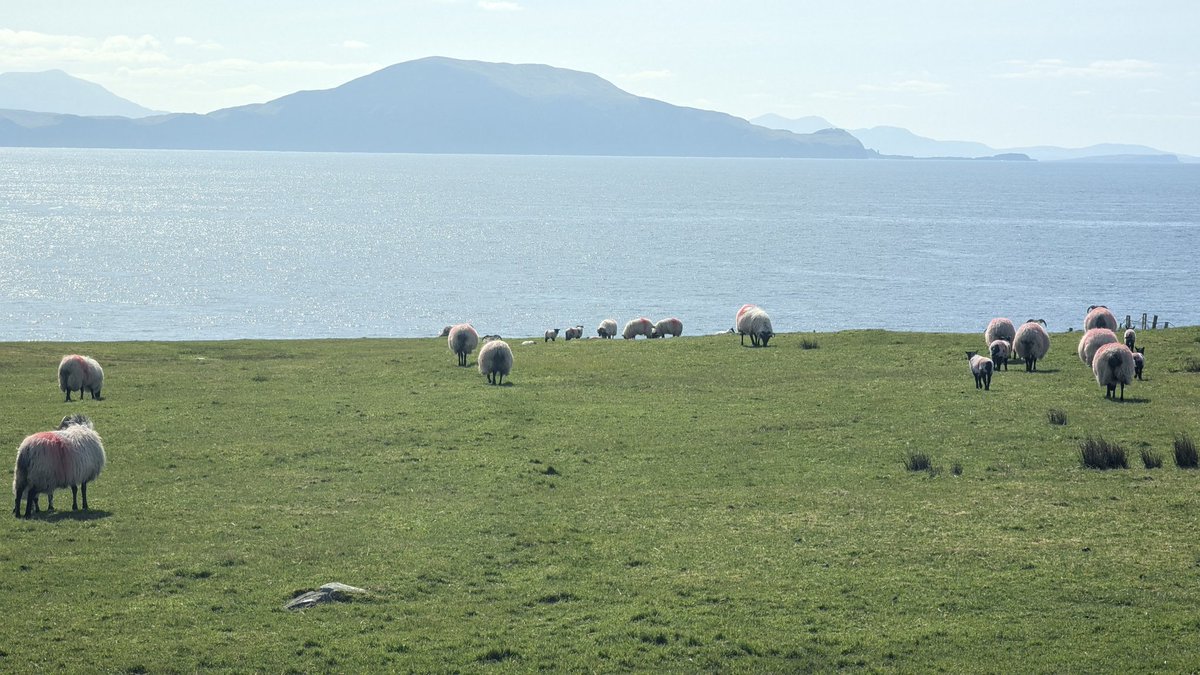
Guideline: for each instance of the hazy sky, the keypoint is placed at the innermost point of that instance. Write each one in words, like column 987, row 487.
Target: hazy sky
column 1004, row 72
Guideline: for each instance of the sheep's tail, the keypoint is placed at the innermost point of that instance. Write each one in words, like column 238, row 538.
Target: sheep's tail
column 64, row 372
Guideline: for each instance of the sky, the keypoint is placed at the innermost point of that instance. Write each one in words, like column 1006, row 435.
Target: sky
column 1008, row 73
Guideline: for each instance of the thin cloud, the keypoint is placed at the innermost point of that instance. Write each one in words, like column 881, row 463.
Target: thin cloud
column 186, row 41
column 499, row 6
column 30, row 49
column 1102, row 69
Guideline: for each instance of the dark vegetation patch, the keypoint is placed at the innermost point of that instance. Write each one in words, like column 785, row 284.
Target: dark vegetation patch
column 1057, row 416
column 1185, row 452
column 1097, row 453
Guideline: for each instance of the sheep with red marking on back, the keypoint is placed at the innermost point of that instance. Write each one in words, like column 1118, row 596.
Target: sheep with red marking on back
column 636, row 327
column 672, row 327
column 753, row 321
column 71, row 456
column 80, row 373
column 1093, row 340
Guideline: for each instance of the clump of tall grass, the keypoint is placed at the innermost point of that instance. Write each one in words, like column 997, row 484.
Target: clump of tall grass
column 1185, row 452
column 809, row 343
column 919, row 461
column 1057, row 416
column 1151, row 459
column 1097, row 453
column 1191, row 365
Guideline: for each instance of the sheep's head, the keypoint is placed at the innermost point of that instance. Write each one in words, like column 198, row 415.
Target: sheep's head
column 971, row 355
column 75, row 420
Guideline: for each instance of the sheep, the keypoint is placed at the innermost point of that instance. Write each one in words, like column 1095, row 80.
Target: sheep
column 1093, row 340
column 462, row 340
column 550, row 335
column 445, row 331
column 999, row 329
column 1130, row 338
column 607, row 329
column 1098, row 316
column 495, row 361
column 575, row 333
column 753, row 321
column 672, row 327
column 71, row 456
column 1113, row 365
column 82, row 373
column 1031, row 343
column 636, row 327
column 981, row 368
column 1000, row 350
column 1139, row 362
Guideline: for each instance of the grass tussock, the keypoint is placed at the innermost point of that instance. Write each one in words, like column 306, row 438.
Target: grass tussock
column 809, row 343
column 1185, row 452
column 1151, row 459
column 919, row 461
column 1191, row 365
column 1057, row 416
column 1097, row 453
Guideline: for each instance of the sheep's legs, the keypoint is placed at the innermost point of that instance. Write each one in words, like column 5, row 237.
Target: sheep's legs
column 83, row 489
column 18, row 490
column 74, row 502
column 30, row 500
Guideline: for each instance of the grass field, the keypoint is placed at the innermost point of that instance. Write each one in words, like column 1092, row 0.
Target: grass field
column 674, row 505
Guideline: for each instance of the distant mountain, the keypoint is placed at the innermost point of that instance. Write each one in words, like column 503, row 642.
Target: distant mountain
column 441, row 105
column 900, row 141
column 799, row 125
column 54, row 91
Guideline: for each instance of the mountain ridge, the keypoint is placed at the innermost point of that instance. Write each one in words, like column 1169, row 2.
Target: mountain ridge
column 55, row 91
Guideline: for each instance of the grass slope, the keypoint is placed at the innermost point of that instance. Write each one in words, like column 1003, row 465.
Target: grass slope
column 671, row 505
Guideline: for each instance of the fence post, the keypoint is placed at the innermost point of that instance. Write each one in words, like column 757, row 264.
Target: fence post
column 1143, row 321
column 1155, row 324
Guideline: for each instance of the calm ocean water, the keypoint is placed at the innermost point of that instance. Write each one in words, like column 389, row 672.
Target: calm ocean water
column 123, row 245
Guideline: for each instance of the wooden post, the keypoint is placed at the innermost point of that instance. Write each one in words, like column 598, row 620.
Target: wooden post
column 1143, row 321
column 1128, row 321
column 1155, row 324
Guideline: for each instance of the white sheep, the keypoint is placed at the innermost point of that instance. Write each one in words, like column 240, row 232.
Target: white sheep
column 636, row 327
column 672, row 327
column 462, row 340
column 1113, row 366
column 1093, row 340
column 69, row 457
column 1031, row 343
column 495, row 361
column 753, row 321
column 1130, row 338
column 1000, row 350
column 550, row 335
column 1139, row 361
column 999, row 328
column 575, row 333
column 607, row 329
column 981, row 368
column 82, row 373
column 1098, row 316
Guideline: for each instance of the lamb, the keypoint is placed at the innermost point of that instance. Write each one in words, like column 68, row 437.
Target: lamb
column 463, row 340
column 1139, row 362
column 82, row 373
column 672, row 327
column 1000, row 350
column 1098, row 316
column 550, row 335
column 1031, row 343
column 753, row 321
column 1113, row 366
column 495, row 361
column 71, row 456
column 1130, row 338
column 1093, row 340
column 607, row 329
column 575, row 333
column 981, row 368
column 999, row 329
column 636, row 327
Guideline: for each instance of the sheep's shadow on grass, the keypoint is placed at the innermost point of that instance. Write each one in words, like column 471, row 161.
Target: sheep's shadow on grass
column 1039, row 371
column 1129, row 399
column 90, row 514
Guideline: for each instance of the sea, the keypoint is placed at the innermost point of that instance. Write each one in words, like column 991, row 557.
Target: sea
column 108, row 245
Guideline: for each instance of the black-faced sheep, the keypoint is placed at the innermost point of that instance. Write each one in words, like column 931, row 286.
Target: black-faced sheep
column 1112, row 366
column 1139, row 362
column 550, row 335
column 1000, row 350
column 981, row 368
column 607, row 329
column 495, row 361
column 636, row 327
column 1098, row 316
column 82, row 373
column 1031, row 344
column 462, row 340
column 1130, row 338
column 753, row 321
column 70, row 457
column 999, row 329
column 1092, row 341
column 574, row 333
column 672, row 327
column 445, row 331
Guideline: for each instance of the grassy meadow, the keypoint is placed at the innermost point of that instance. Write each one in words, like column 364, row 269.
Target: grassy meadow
column 671, row 505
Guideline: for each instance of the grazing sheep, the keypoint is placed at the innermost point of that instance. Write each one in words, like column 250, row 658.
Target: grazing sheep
column 672, row 327
column 1093, row 340
column 551, row 334
column 462, row 340
column 1139, row 362
column 1000, row 350
column 999, row 329
column 1031, row 343
column 1098, row 316
column 753, row 321
column 636, row 327
column 495, row 361
column 70, row 457
column 1130, row 338
column 82, row 373
column 981, row 368
column 575, row 333
column 1113, row 365
column 607, row 329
